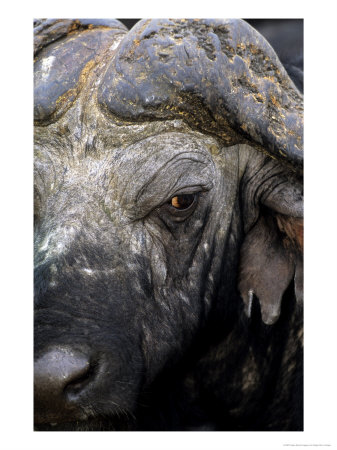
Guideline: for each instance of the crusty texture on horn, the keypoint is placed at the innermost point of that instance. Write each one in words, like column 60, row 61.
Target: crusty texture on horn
column 221, row 76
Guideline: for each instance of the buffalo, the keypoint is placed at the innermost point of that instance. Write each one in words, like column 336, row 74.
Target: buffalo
column 168, row 223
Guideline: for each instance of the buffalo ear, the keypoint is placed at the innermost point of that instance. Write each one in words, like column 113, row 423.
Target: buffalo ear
column 271, row 257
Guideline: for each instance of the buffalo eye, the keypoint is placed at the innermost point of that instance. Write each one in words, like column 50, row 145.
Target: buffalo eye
column 183, row 201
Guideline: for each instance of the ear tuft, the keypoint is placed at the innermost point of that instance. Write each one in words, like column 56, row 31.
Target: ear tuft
column 293, row 228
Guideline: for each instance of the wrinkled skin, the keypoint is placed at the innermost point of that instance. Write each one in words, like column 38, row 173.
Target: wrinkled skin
column 148, row 315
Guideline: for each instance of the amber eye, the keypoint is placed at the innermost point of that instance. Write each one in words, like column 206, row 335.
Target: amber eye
column 182, row 201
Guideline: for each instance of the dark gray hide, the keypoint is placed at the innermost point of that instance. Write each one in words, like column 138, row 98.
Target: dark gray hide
column 168, row 228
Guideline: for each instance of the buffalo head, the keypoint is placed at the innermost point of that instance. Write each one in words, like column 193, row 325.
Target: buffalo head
column 168, row 227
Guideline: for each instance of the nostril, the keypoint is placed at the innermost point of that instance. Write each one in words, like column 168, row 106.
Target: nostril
column 79, row 381
column 61, row 367
column 59, row 376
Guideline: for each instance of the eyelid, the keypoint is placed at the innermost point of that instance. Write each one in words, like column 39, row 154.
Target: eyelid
column 192, row 190
column 197, row 189
column 138, row 212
